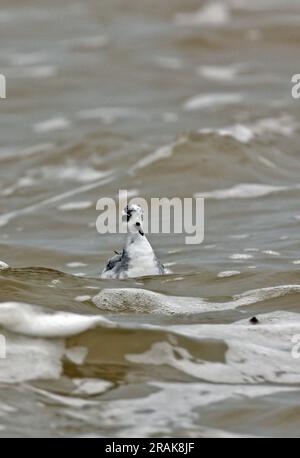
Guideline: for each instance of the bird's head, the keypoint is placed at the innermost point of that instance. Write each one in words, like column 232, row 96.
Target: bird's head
column 134, row 216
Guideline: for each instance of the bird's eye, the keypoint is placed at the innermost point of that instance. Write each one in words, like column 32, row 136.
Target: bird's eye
column 138, row 224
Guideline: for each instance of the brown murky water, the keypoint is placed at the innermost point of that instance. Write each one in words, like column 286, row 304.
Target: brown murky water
column 94, row 91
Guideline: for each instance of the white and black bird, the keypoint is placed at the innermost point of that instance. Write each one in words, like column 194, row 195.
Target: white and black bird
column 138, row 258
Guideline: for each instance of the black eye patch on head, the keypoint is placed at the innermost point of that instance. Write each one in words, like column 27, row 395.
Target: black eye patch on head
column 128, row 212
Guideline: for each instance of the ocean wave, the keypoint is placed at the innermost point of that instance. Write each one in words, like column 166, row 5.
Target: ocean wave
column 163, row 152
column 28, row 320
column 236, row 353
column 7, row 217
column 232, row 156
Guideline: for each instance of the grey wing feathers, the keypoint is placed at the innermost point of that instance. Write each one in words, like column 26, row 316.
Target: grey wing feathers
column 113, row 262
column 160, row 266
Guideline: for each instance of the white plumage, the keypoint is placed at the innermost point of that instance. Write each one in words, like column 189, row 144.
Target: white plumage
column 138, row 258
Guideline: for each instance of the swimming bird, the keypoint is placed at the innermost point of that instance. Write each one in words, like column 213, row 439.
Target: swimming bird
column 138, row 258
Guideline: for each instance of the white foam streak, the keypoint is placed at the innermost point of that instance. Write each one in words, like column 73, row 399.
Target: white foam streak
column 245, row 191
column 51, row 125
column 71, row 206
column 161, row 153
column 203, row 101
column 218, row 73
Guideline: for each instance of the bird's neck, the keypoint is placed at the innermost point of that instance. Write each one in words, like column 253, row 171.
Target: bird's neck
column 138, row 240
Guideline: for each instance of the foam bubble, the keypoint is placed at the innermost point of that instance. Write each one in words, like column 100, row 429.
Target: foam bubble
column 144, row 301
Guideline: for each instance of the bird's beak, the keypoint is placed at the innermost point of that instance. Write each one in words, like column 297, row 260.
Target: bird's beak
column 141, row 232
